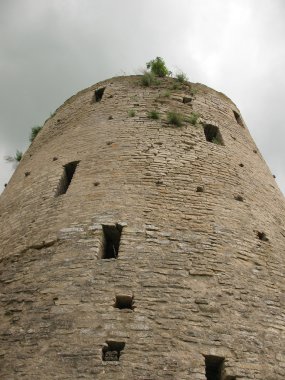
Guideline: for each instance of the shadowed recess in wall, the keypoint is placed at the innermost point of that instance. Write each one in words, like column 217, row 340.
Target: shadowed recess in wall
column 124, row 302
column 215, row 368
column 98, row 95
column 238, row 118
column 111, row 351
column 111, row 241
column 213, row 134
column 66, row 178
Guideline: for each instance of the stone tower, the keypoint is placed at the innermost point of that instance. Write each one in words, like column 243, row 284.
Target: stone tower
column 133, row 248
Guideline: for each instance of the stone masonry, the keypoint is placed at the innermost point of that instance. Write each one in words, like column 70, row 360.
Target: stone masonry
column 135, row 249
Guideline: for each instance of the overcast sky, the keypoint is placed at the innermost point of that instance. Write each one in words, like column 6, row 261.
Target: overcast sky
column 50, row 49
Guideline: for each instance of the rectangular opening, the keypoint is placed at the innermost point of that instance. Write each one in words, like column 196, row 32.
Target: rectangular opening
column 186, row 99
column 111, row 351
column 238, row 118
column 124, row 302
column 98, row 94
column 214, row 367
column 213, row 134
column 111, row 241
column 66, row 178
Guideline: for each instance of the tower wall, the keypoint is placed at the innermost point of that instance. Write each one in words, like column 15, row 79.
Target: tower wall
column 201, row 252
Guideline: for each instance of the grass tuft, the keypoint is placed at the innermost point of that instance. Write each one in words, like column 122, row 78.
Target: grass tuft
column 193, row 118
column 175, row 119
column 181, row 77
column 132, row 113
column 149, row 79
column 34, row 131
column 153, row 115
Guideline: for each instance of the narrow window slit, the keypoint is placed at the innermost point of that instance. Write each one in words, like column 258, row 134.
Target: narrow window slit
column 66, row 178
column 111, row 351
column 111, row 241
column 214, row 367
column 238, row 118
column 213, row 134
column 124, row 302
column 98, row 95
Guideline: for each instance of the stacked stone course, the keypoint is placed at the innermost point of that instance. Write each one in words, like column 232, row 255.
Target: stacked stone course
column 199, row 270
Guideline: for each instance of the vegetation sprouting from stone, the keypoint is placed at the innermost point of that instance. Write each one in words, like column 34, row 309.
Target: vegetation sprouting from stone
column 18, row 155
column 149, row 79
column 181, row 77
column 153, row 115
column 166, row 94
column 34, row 131
column 16, row 158
column 132, row 113
column 158, row 68
column 193, row 118
column 217, row 141
column 175, row 118
column 176, row 86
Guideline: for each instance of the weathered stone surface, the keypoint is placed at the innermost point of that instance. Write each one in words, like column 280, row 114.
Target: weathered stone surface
column 203, row 282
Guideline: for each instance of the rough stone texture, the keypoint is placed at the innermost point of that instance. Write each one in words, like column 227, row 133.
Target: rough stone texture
column 203, row 282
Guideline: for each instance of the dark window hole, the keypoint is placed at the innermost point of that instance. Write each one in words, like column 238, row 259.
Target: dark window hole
column 66, row 178
column 186, row 99
column 262, row 236
column 200, row 189
column 111, row 351
column 213, row 134
column 98, row 94
column 239, row 198
column 214, row 367
column 54, row 300
column 241, row 165
column 124, row 302
column 238, row 118
column 111, row 241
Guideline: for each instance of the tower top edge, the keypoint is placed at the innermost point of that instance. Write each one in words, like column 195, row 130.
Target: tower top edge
column 134, row 79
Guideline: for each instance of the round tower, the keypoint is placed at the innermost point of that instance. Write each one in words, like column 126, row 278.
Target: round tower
column 142, row 237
